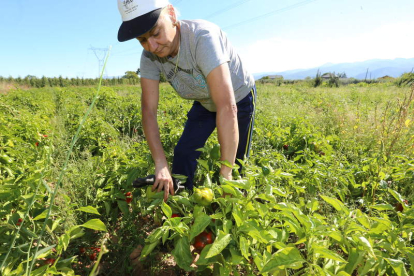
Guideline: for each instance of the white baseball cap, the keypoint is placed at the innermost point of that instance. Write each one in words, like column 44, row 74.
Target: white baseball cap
column 138, row 16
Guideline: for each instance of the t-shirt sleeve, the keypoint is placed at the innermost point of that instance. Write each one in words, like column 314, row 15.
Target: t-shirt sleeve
column 210, row 51
column 148, row 68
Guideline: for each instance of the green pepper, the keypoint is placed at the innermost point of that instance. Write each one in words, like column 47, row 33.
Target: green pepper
column 150, row 194
column 203, row 196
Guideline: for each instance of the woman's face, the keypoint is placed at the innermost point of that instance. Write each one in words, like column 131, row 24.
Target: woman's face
column 162, row 39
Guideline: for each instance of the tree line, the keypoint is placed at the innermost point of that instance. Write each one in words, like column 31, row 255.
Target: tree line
column 130, row 78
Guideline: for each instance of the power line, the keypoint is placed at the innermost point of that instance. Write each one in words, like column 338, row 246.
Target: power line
column 129, row 54
column 232, row 6
column 124, row 51
column 270, row 13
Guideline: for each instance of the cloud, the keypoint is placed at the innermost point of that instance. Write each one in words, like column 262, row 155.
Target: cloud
column 279, row 54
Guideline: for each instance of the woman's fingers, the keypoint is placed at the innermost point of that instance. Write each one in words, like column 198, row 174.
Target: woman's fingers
column 164, row 183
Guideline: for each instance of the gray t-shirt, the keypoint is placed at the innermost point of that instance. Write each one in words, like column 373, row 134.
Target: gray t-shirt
column 203, row 47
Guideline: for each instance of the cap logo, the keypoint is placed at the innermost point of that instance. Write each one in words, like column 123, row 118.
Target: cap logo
column 131, row 9
column 129, row 6
column 126, row 3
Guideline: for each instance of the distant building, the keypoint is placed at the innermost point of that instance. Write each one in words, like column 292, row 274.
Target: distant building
column 386, row 77
column 275, row 77
column 327, row 76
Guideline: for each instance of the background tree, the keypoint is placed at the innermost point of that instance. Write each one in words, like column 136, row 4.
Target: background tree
column 132, row 77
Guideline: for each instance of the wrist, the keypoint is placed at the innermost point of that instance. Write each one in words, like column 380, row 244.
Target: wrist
column 226, row 172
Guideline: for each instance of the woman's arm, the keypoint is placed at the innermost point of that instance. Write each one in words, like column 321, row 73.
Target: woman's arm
column 221, row 89
column 149, row 106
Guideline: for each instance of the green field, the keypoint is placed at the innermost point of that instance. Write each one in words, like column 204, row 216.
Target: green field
column 328, row 189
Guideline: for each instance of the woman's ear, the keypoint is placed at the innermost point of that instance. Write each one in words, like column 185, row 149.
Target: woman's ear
column 172, row 15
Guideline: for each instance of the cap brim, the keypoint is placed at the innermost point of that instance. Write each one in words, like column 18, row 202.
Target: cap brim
column 138, row 26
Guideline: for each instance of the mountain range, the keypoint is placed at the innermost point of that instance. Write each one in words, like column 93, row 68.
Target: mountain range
column 370, row 69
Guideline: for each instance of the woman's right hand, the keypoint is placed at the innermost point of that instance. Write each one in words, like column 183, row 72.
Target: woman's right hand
column 163, row 181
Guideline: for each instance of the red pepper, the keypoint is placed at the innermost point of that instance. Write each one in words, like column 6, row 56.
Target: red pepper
column 50, row 261
column 92, row 257
column 199, row 245
column 203, row 239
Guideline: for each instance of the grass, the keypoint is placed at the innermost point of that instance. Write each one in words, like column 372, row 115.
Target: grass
column 354, row 114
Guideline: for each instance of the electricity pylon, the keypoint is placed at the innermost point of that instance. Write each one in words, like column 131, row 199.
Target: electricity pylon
column 101, row 59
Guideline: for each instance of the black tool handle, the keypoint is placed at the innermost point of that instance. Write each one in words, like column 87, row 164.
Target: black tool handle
column 149, row 180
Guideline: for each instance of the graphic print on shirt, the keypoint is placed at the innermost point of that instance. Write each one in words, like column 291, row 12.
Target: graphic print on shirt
column 186, row 84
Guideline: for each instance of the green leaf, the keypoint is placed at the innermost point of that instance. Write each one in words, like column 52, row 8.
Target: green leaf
column 165, row 236
column 76, row 232
column 227, row 225
column 207, row 181
column 237, row 216
column 398, row 266
column 89, row 209
column 258, row 259
column 44, row 213
column 56, row 224
column 336, row 235
column 182, row 254
column 288, row 257
column 156, row 235
column 363, row 219
column 396, row 195
column 198, row 211
column 40, row 271
column 203, row 164
column 123, row 206
column 327, row 254
column 383, row 207
column 369, row 266
column 203, row 260
column 215, row 152
column 200, row 224
column 244, row 247
column 64, row 241
column 166, row 209
column 232, row 190
column 219, row 244
column 44, row 252
column 47, row 187
column 236, row 258
column 241, row 184
column 355, row 259
column 337, row 204
column 26, row 232
column 279, row 192
column 95, row 224
column 148, row 247
column 365, row 243
column 227, row 164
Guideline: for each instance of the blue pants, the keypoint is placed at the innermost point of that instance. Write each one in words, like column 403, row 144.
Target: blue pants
column 199, row 126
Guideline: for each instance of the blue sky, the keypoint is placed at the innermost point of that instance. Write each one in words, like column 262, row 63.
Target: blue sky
column 55, row 38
